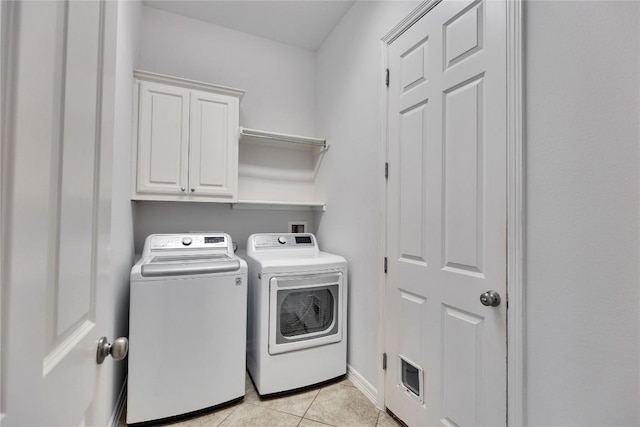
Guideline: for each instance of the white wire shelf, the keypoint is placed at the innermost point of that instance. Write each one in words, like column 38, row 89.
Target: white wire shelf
column 284, row 138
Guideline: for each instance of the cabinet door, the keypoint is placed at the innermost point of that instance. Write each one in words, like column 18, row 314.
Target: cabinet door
column 213, row 152
column 163, row 139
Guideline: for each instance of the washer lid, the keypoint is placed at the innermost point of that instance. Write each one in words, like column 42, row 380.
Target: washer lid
column 188, row 265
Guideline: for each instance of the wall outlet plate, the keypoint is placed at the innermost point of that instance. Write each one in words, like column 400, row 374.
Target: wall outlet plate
column 298, row 227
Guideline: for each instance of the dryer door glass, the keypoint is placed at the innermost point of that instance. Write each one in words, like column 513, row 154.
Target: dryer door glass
column 306, row 313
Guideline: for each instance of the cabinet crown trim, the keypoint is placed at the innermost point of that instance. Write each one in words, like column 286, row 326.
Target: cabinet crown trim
column 186, row 83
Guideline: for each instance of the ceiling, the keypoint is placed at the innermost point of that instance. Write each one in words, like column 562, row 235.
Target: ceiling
column 302, row 23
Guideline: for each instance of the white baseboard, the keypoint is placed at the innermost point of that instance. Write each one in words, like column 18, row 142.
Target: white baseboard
column 117, row 411
column 362, row 384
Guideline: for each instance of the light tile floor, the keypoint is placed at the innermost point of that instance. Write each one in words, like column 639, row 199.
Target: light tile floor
column 335, row 404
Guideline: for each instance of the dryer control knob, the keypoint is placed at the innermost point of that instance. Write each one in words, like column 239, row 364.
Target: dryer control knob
column 186, row 241
column 282, row 240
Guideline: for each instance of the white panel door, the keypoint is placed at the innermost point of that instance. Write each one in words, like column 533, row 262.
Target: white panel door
column 56, row 215
column 213, row 156
column 446, row 218
column 163, row 139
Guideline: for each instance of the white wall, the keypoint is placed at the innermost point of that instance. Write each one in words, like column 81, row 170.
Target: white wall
column 172, row 217
column 279, row 84
column 348, row 108
column 112, row 374
column 582, row 212
column 278, row 78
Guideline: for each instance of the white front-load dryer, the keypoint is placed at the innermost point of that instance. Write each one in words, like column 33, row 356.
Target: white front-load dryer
column 297, row 312
column 187, row 326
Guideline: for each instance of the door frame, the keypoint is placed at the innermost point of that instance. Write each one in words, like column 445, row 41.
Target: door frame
column 7, row 10
column 515, row 203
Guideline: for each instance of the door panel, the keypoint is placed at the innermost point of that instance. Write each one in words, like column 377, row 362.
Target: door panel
column 446, row 223
column 57, row 214
column 463, row 176
column 163, row 147
column 214, row 145
column 76, row 185
column 461, row 366
column 413, row 210
column 463, row 34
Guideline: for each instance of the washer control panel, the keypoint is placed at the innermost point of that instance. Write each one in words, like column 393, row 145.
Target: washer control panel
column 189, row 241
column 283, row 240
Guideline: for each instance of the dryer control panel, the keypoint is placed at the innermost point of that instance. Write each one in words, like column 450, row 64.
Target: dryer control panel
column 286, row 240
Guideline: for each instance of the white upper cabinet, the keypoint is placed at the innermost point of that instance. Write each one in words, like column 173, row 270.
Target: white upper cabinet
column 213, row 152
column 187, row 140
column 163, row 139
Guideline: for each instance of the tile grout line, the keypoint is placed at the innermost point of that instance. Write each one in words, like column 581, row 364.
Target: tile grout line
column 317, row 422
column 311, row 404
column 273, row 409
column 229, row 414
column 244, row 401
column 279, row 410
column 257, row 404
column 265, row 408
column 314, row 399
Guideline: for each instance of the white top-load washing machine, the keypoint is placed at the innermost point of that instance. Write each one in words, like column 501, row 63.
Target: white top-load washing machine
column 187, row 326
column 297, row 319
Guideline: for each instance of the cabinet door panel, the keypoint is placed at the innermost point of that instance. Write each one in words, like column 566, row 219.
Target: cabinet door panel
column 213, row 154
column 163, row 140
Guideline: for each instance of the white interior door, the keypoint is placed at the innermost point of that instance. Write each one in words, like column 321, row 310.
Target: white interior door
column 56, row 216
column 446, row 217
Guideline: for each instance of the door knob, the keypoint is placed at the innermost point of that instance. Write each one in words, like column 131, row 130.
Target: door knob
column 490, row 299
column 118, row 350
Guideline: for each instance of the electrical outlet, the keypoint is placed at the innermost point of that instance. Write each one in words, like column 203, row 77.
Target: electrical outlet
column 298, row 227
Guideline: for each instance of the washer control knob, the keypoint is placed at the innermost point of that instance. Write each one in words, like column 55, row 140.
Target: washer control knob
column 282, row 240
column 186, row 241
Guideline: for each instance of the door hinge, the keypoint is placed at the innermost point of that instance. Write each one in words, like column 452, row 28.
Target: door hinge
column 384, row 361
column 386, row 170
column 386, row 79
column 385, row 265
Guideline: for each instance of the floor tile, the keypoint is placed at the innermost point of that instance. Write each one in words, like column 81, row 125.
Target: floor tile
column 340, row 405
column 295, row 404
column 386, row 420
column 248, row 414
column 346, row 381
column 212, row 419
column 337, row 404
column 311, row 423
